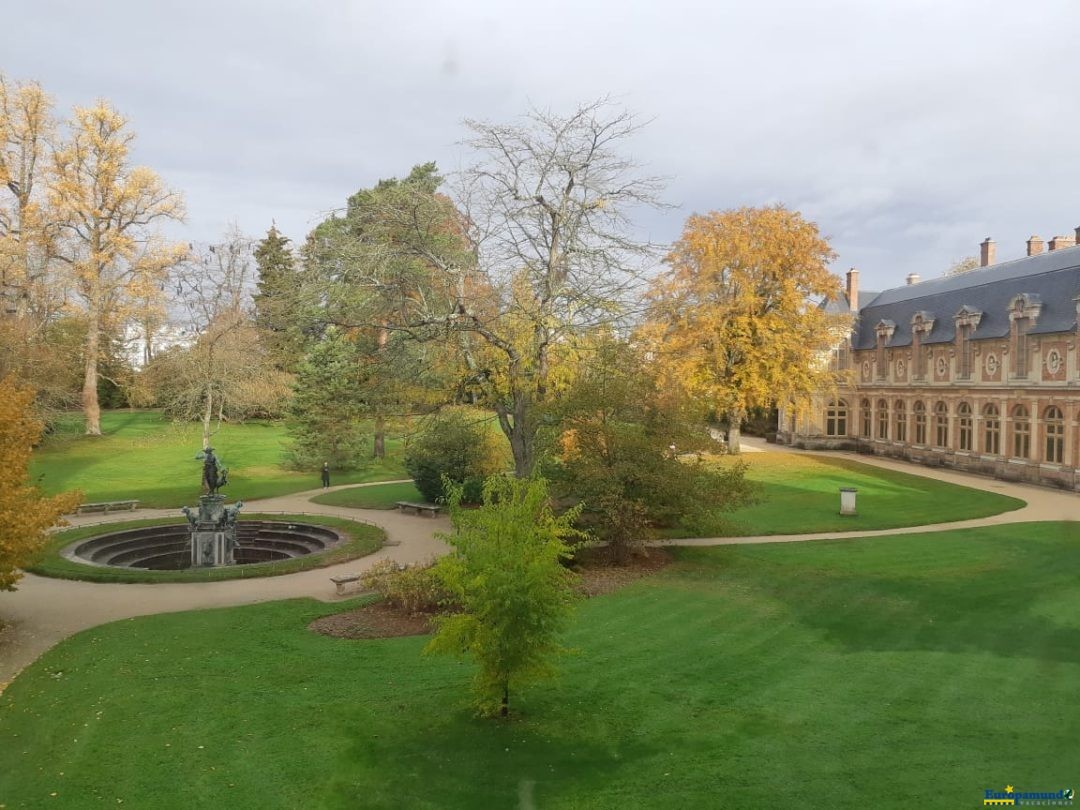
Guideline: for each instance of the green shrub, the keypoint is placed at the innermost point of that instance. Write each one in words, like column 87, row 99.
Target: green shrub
column 456, row 444
column 413, row 588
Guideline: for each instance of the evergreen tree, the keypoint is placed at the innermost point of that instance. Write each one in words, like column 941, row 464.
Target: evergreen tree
column 279, row 301
column 327, row 407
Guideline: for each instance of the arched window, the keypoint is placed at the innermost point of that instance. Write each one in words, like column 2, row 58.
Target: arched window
column 836, row 418
column 991, row 429
column 900, row 421
column 1055, row 434
column 1021, row 432
column 920, row 423
column 882, row 419
column 941, row 424
column 864, row 410
column 965, row 425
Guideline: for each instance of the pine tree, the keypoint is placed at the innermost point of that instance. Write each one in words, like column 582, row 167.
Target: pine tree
column 327, row 407
column 277, row 303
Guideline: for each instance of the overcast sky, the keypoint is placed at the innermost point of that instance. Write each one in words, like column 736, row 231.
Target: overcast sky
column 908, row 130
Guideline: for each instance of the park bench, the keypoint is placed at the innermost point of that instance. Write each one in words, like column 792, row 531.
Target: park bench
column 343, row 580
column 404, row 506
column 106, row 507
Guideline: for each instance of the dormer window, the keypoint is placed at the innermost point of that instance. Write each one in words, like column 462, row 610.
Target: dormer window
column 1024, row 310
column 967, row 320
column 884, row 331
column 921, row 325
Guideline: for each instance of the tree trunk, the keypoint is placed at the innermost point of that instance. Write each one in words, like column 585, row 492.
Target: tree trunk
column 735, row 419
column 521, row 440
column 517, row 433
column 505, row 709
column 379, row 449
column 91, row 407
column 208, row 414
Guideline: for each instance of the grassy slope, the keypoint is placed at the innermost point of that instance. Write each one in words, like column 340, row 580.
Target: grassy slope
column 891, row 672
column 801, row 494
column 384, row 496
column 363, row 540
column 143, row 455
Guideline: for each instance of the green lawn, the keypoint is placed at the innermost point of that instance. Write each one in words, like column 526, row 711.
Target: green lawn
column 363, row 538
column 898, row 672
column 144, row 455
column 383, row 496
column 801, row 494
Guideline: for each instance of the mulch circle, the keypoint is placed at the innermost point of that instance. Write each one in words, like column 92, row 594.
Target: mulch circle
column 380, row 620
column 376, row 620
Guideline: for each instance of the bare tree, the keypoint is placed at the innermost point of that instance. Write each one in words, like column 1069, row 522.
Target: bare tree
column 548, row 207
column 216, row 278
column 227, row 373
column 536, row 249
column 961, row 266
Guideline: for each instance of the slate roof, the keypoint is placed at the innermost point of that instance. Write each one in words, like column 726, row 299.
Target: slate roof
column 1054, row 277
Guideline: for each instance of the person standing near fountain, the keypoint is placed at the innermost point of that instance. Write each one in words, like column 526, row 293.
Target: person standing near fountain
column 326, row 474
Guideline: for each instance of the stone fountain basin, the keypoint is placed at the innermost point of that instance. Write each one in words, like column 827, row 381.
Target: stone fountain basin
column 167, row 547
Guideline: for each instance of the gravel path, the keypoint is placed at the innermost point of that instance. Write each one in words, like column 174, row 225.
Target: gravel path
column 44, row 611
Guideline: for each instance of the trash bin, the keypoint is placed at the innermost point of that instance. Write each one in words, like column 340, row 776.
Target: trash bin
column 847, row 500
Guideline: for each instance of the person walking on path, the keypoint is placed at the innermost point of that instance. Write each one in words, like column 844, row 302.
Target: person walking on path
column 325, row 474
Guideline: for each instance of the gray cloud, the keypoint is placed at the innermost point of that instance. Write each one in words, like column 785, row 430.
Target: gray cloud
column 909, row 130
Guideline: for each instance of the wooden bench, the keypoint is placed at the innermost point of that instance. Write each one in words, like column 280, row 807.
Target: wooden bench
column 417, row 508
column 106, row 506
column 342, row 581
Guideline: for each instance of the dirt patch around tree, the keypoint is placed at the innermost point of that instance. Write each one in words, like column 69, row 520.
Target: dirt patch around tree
column 382, row 620
column 375, row 620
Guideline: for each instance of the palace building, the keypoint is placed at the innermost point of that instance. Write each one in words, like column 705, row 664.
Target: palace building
column 979, row 371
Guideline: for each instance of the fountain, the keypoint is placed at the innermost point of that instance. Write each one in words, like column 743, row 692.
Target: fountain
column 213, row 526
column 212, row 536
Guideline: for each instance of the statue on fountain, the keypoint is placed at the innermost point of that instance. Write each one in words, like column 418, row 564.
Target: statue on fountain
column 214, row 476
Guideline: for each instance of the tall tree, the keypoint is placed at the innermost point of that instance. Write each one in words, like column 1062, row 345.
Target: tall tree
column 28, row 227
column 736, row 321
column 285, row 301
column 376, row 258
column 33, row 335
column 328, row 404
column 25, row 515
column 108, row 211
column 516, row 597
column 536, row 249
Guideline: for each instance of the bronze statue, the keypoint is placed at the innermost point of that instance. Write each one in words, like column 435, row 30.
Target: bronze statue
column 214, row 476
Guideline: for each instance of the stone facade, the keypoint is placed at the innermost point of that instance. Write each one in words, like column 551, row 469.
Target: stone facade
column 979, row 372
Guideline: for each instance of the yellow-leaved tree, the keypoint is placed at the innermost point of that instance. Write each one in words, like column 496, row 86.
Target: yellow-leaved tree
column 737, row 321
column 27, row 228
column 25, row 514
column 108, row 210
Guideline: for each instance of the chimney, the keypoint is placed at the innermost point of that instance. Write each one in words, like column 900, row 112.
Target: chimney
column 987, row 249
column 913, row 278
column 1078, row 236
column 853, row 289
column 1035, row 246
column 1059, row 242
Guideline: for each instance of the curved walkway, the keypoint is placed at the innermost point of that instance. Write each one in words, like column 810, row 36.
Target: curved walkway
column 43, row 611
